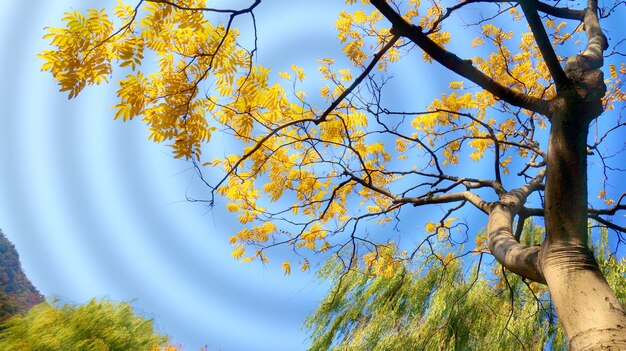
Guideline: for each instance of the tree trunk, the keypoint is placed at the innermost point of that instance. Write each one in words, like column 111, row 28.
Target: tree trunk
column 591, row 315
column 588, row 309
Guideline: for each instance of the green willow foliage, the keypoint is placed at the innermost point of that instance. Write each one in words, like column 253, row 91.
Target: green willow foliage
column 437, row 306
column 95, row 326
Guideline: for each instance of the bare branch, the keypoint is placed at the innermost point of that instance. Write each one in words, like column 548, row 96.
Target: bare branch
column 359, row 79
column 207, row 9
column 612, row 210
column 561, row 12
column 518, row 258
column 543, row 42
column 447, row 198
column 608, row 224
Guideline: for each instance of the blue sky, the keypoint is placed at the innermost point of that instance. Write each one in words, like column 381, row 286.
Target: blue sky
column 95, row 210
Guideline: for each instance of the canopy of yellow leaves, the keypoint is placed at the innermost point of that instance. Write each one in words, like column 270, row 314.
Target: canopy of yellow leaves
column 199, row 79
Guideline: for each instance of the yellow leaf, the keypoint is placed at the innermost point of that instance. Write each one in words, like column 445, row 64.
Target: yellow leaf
column 369, row 258
column 477, row 42
column 431, row 227
column 613, row 71
column 345, row 75
column 476, row 155
column 238, row 251
column 285, row 75
column 286, row 266
column 456, row 85
column 299, row 72
column 305, row 266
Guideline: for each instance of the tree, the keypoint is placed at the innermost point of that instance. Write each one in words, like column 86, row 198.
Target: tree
column 435, row 306
column 96, row 325
column 317, row 174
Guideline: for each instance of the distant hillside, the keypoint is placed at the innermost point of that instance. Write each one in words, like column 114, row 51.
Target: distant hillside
column 17, row 293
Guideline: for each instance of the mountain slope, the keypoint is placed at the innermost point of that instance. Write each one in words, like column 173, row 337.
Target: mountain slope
column 17, row 293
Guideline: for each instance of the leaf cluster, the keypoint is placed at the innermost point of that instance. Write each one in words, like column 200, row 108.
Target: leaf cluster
column 95, row 326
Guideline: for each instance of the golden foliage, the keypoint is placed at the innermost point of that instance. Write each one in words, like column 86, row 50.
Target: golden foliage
column 187, row 77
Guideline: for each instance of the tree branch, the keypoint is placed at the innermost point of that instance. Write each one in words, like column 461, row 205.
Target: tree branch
column 456, row 64
column 359, row 79
column 592, row 57
column 612, row 210
column 207, row 9
column 517, row 258
column 316, row 120
column 561, row 12
column 608, row 224
column 447, row 198
column 529, row 7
